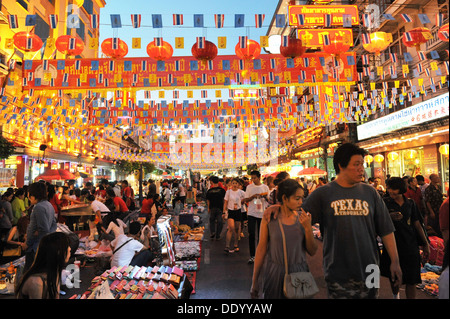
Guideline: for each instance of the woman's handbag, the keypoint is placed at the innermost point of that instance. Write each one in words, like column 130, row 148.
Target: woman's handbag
column 298, row 285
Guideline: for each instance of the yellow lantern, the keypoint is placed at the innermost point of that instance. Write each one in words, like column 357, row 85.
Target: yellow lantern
column 368, row 158
column 392, row 156
column 379, row 41
column 443, row 149
column 411, row 154
column 378, row 158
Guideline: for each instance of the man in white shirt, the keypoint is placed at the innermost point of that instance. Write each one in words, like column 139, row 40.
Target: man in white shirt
column 127, row 250
column 257, row 199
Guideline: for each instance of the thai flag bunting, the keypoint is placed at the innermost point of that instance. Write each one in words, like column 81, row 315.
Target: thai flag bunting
column 285, row 41
column 170, row 78
column 146, row 94
column 53, row 21
column 445, row 34
column 326, row 39
column 106, row 81
column 273, row 64
column 419, row 67
column 392, row 70
column 303, row 74
column 115, row 43
column 360, row 76
column 135, row 78
column 12, row 21
column 95, row 21
column 204, row 94
column 78, row 82
column 301, row 19
column 177, row 65
column 160, row 82
column 439, row 19
column 77, row 64
column 111, row 65
column 366, row 71
column 408, row 36
column 243, row 42
column 158, row 41
column 422, row 55
column 365, row 59
column 241, row 64
column 238, row 77
column 100, row 78
column 176, row 94
column 218, row 19
column 366, row 21
column 306, row 62
column 177, row 19
column 406, row 17
column 201, row 42
column 72, row 43
column 393, row 57
column 204, row 78
column 327, row 20
column 210, row 65
column 360, row 87
column 366, row 38
column 427, row 71
column 259, row 19
column 136, row 20
column 29, row 44
column 144, row 65
column 45, row 65
column 263, row 79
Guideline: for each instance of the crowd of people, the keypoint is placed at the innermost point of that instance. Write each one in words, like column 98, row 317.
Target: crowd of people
column 354, row 217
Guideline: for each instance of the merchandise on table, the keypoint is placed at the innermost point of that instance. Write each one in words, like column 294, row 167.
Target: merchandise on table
column 187, row 250
column 135, row 282
column 166, row 239
column 187, row 265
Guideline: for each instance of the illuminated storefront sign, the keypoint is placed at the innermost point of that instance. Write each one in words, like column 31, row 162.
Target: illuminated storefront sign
column 426, row 111
column 315, row 15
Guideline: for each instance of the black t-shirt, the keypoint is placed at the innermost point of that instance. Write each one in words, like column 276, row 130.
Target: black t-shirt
column 215, row 196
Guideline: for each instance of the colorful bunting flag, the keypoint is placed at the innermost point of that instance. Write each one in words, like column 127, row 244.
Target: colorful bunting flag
column 177, row 19
column 219, row 19
column 259, row 19
column 53, row 21
column 136, row 20
column 95, row 21
column 406, row 17
column 12, row 21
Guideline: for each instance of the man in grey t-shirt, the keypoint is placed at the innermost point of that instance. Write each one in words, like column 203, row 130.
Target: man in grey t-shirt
column 351, row 214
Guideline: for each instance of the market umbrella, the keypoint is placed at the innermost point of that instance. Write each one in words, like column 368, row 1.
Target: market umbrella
column 56, row 174
column 312, row 171
column 82, row 175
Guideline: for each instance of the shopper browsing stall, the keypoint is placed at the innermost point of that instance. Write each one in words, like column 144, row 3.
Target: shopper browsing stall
column 128, row 250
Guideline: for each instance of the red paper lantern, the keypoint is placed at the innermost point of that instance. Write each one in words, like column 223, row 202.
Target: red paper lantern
column 294, row 48
column 252, row 51
column 442, row 30
column 159, row 53
column 209, row 52
column 28, row 42
column 418, row 37
column 120, row 52
column 63, row 43
column 337, row 45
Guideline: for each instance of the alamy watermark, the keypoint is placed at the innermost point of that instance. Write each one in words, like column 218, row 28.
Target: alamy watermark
column 231, row 146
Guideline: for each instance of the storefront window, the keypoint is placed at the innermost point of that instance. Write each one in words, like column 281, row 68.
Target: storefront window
column 407, row 162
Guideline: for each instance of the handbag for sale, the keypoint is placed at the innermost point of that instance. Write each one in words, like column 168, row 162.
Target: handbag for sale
column 298, row 285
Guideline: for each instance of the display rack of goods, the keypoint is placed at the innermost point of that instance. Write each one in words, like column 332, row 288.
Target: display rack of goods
column 166, row 240
column 136, row 282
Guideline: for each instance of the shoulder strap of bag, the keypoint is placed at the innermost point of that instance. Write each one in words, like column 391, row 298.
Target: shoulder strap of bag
column 115, row 250
column 284, row 244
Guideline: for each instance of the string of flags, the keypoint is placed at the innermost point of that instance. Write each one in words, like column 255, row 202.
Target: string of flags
column 198, row 20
